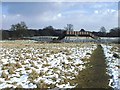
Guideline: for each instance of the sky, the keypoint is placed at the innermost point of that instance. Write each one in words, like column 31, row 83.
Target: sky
column 90, row 16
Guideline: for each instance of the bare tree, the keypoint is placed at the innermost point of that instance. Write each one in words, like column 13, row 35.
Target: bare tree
column 102, row 29
column 69, row 27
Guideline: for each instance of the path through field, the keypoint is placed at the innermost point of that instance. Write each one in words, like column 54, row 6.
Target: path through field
column 94, row 76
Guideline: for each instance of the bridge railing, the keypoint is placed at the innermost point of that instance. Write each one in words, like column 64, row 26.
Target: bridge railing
column 79, row 33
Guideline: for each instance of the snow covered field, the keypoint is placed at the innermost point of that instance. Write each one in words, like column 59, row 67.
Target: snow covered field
column 28, row 64
column 112, row 54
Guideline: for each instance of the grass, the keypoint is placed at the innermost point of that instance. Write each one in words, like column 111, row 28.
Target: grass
column 94, row 76
column 33, row 75
column 46, row 65
column 19, row 86
column 11, row 71
column 41, row 85
column 40, row 54
column 18, row 65
column 4, row 75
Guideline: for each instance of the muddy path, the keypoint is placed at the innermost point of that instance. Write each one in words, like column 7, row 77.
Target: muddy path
column 94, row 76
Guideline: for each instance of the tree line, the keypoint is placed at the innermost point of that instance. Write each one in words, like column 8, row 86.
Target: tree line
column 20, row 30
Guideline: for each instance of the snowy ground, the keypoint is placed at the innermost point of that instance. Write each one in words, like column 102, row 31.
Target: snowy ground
column 112, row 55
column 32, row 65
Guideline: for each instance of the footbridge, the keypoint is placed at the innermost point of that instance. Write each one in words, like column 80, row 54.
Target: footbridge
column 77, row 33
column 63, row 34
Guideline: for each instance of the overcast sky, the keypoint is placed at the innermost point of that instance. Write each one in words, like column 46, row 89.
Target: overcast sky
column 36, row 15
